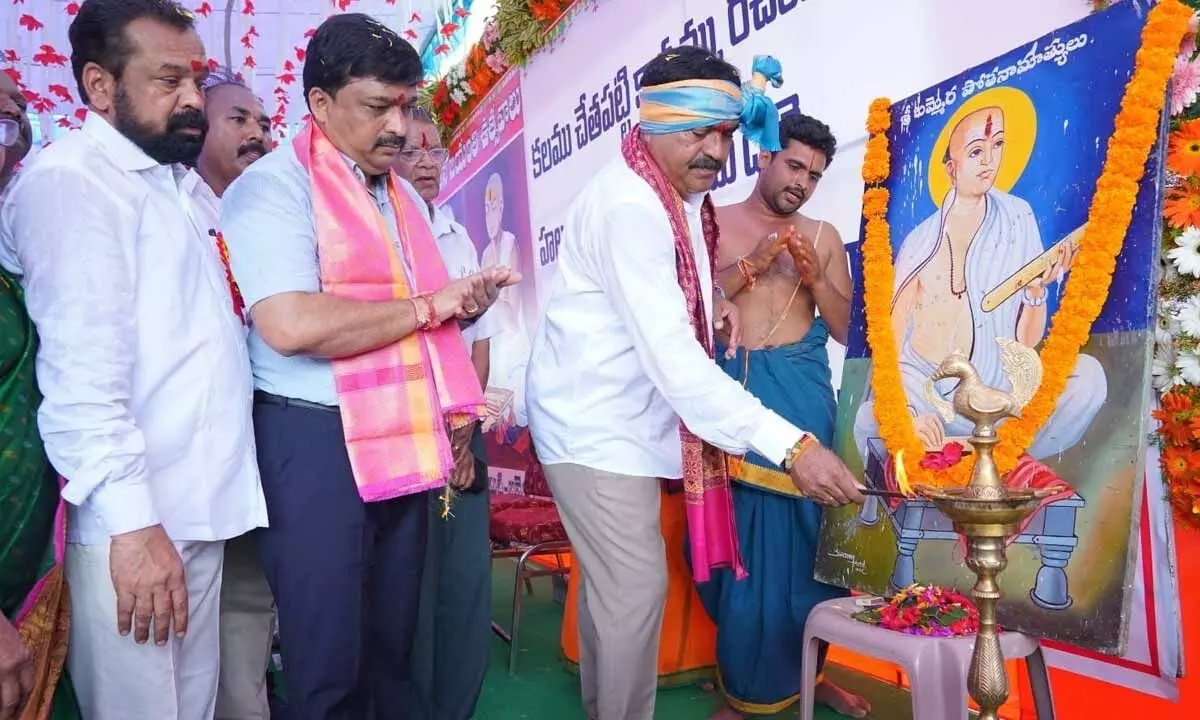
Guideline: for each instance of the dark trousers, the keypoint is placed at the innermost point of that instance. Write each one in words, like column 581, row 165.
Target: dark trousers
column 346, row 574
column 452, row 650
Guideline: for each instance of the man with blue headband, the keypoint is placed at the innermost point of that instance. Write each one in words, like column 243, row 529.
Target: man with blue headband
column 789, row 277
column 622, row 387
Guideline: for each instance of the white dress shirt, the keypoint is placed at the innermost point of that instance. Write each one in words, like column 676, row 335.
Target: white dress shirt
column 142, row 361
column 616, row 363
column 461, row 259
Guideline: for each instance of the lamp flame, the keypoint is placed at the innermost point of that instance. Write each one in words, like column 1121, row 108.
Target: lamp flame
column 902, row 476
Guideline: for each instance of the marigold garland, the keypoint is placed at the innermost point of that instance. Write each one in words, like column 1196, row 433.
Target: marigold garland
column 1136, row 129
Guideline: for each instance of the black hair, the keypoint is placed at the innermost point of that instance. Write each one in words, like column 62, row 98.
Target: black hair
column 687, row 62
column 356, row 46
column 809, row 131
column 97, row 33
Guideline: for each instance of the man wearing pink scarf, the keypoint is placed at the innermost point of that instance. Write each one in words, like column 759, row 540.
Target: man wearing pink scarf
column 622, row 387
column 364, row 390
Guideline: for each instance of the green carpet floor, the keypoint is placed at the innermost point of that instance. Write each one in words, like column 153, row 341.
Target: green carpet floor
column 543, row 690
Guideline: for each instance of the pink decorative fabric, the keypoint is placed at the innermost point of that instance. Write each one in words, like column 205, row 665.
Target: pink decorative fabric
column 397, row 400
column 711, row 531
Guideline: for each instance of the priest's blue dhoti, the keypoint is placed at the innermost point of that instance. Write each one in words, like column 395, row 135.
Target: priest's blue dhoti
column 760, row 620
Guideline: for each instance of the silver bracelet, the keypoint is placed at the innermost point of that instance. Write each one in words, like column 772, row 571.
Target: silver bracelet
column 1030, row 300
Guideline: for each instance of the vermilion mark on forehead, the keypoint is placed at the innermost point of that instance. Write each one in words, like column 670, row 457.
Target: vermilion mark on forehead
column 987, row 127
column 197, row 66
column 727, row 127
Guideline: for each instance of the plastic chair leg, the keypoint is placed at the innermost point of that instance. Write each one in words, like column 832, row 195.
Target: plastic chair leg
column 939, row 691
column 812, row 645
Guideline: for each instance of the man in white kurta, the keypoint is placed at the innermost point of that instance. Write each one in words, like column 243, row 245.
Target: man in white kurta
column 618, row 368
column 944, row 269
column 143, row 366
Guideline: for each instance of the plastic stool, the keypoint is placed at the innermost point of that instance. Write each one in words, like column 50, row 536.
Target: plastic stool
column 936, row 666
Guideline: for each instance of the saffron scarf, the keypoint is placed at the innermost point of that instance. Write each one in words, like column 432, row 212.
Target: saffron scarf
column 689, row 104
column 396, row 401
column 711, row 533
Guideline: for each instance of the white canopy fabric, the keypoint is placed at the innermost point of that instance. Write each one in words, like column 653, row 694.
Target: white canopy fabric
column 262, row 39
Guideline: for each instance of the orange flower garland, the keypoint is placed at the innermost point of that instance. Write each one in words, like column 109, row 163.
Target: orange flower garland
column 1136, row 129
column 1177, row 416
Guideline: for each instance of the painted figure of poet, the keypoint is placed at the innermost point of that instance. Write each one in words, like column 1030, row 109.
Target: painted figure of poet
column 971, row 273
column 510, row 345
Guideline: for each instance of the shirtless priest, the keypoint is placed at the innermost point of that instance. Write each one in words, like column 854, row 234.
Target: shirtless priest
column 788, row 276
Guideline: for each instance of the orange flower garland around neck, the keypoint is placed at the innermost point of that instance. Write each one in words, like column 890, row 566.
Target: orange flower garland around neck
column 1136, row 129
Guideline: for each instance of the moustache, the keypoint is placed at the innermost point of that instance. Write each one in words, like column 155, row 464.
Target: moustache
column 396, row 141
column 191, row 119
column 253, row 146
column 705, row 163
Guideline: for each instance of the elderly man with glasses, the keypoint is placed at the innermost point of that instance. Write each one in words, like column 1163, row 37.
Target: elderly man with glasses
column 16, row 130
column 450, row 653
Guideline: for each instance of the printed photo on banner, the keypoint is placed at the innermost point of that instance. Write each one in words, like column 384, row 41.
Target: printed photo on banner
column 493, row 205
column 992, row 175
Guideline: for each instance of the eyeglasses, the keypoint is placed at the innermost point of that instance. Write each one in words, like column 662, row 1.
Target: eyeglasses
column 413, row 155
column 10, row 132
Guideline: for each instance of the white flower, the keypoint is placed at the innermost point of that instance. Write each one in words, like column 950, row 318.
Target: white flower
column 1162, row 328
column 1188, row 365
column 1189, row 237
column 1189, row 316
column 1186, row 253
column 458, row 96
column 1168, row 325
column 1162, row 370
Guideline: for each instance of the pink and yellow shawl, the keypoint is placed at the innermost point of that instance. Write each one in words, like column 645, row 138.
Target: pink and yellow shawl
column 710, row 524
column 396, row 401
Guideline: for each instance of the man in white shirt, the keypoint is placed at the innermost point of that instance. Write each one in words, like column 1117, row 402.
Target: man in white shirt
column 239, row 132
column 142, row 364
column 451, row 652
column 622, row 386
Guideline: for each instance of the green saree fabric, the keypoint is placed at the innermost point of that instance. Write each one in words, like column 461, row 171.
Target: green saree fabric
column 33, row 593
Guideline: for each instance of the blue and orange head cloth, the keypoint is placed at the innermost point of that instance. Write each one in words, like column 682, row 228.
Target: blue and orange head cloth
column 689, row 104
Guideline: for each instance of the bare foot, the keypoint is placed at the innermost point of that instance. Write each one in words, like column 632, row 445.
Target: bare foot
column 726, row 713
column 842, row 702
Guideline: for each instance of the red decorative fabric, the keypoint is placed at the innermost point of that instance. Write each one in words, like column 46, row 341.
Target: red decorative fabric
column 536, row 484
column 500, row 502
column 711, row 530
column 529, row 525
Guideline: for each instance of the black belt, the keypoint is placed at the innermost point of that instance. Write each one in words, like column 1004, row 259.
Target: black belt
column 266, row 398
